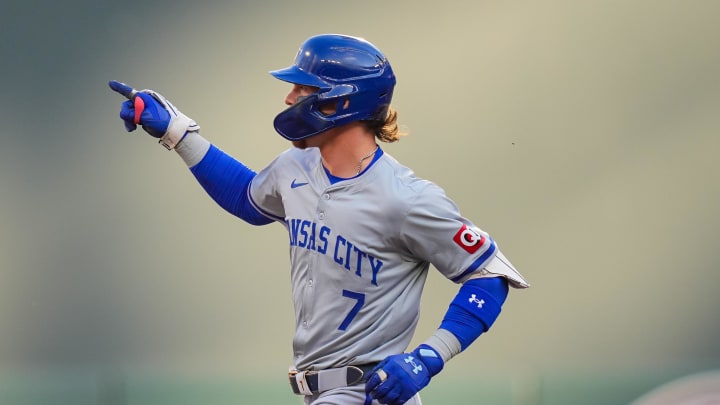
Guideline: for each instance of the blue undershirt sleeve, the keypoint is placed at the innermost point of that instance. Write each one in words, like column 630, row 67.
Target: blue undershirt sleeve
column 227, row 180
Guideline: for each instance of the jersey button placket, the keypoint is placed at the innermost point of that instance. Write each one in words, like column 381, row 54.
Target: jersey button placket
column 321, row 217
column 310, row 285
column 321, row 206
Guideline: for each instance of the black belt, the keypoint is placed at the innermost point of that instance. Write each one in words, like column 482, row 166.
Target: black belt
column 315, row 382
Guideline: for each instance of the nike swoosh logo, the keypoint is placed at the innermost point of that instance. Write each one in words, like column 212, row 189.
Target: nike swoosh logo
column 295, row 184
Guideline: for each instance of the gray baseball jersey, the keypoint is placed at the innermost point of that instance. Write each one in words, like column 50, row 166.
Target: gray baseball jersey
column 360, row 250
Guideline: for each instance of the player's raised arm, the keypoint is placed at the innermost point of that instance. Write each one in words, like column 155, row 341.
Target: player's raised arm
column 225, row 179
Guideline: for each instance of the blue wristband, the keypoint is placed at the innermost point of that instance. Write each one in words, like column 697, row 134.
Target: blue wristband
column 475, row 308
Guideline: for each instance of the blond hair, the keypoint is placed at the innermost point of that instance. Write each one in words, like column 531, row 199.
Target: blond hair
column 388, row 130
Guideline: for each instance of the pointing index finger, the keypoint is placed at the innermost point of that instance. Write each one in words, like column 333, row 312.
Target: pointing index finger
column 123, row 89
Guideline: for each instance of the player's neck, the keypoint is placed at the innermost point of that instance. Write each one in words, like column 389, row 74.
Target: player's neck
column 348, row 152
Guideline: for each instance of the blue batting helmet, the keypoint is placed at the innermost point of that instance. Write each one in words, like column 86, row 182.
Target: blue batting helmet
column 352, row 75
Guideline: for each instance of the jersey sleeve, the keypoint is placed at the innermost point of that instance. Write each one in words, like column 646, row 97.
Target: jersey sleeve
column 435, row 231
column 264, row 194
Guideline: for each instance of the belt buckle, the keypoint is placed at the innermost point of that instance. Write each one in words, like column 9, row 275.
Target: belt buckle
column 303, row 387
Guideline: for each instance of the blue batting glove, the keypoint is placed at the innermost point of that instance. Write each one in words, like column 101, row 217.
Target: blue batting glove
column 154, row 113
column 399, row 377
column 143, row 108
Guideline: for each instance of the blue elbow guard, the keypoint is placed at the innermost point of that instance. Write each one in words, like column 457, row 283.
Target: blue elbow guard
column 475, row 308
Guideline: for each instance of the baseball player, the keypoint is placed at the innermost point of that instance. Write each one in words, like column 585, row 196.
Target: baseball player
column 362, row 228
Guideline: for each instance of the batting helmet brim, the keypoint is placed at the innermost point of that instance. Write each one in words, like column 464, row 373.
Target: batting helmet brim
column 295, row 75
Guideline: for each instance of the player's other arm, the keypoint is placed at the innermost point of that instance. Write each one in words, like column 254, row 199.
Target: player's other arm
column 471, row 313
column 225, row 179
column 470, row 257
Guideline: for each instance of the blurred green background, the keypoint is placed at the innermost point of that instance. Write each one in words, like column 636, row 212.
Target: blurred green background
column 583, row 135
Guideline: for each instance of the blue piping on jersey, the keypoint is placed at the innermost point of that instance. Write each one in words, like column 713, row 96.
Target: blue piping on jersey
column 478, row 262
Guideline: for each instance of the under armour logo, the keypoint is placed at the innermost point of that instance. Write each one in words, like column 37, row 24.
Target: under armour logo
column 416, row 367
column 474, row 299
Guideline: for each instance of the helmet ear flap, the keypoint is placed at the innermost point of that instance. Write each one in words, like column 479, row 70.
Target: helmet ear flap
column 338, row 99
column 328, row 108
column 331, row 108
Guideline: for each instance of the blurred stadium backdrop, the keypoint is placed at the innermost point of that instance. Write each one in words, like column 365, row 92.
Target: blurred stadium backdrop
column 582, row 134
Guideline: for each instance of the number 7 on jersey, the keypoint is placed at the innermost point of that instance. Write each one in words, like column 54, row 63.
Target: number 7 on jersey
column 360, row 301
